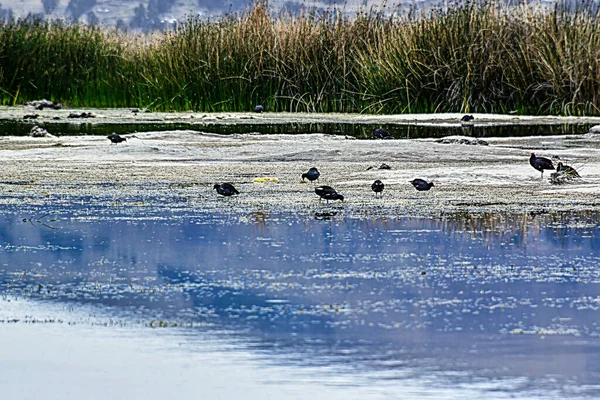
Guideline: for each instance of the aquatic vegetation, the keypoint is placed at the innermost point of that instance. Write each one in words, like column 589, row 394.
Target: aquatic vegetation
column 473, row 57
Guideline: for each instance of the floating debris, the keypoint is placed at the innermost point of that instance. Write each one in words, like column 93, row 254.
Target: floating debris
column 382, row 166
column 559, row 178
column 137, row 110
column 83, row 114
column 39, row 132
column 462, row 140
column 41, row 104
column 594, row 129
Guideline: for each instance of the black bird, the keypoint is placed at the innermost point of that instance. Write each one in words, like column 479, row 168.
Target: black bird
column 381, row 133
column 570, row 172
column 328, row 193
column 258, row 108
column 467, row 118
column 377, row 187
column 540, row 163
column 116, row 139
column 421, row 184
column 225, row 189
column 312, row 174
column 382, row 166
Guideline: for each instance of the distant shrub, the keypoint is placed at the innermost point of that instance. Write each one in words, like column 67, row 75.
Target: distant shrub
column 76, row 8
column 49, row 6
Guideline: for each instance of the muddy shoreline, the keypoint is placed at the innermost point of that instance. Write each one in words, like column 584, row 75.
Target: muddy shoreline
column 179, row 168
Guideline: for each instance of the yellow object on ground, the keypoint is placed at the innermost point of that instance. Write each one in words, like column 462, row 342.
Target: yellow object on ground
column 265, row 179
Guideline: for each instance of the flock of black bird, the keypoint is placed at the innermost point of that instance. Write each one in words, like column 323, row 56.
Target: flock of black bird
column 328, row 193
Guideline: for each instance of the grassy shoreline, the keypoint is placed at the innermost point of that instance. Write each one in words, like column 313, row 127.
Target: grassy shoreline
column 475, row 57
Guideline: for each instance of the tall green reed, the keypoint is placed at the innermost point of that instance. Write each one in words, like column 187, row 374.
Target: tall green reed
column 474, row 57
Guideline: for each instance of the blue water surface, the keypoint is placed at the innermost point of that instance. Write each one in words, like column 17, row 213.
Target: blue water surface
column 451, row 301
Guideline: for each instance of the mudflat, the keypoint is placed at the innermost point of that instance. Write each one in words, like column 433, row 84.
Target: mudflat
column 180, row 167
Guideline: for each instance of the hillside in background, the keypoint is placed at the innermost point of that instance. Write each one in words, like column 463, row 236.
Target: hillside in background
column 147, row 14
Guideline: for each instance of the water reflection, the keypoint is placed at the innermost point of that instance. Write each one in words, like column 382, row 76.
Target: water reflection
column 358, row 130
column 463, row 297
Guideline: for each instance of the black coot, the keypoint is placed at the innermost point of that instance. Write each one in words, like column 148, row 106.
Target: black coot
column 381, row 133
column 116, row 139
column 328, row 193
column 312, row 174
column 377, row 187
column 225, row 189
column 421, row 184
column 540, row 163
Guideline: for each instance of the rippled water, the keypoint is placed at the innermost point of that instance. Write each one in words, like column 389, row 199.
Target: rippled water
column 496, row 305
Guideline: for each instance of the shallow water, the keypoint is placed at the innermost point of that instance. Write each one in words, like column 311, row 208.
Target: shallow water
column 491, row 305
column 358, row 130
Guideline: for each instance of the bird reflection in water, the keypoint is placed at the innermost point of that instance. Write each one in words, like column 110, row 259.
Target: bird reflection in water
column 325, row 216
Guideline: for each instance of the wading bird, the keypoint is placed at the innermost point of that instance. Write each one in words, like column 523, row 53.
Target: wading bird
column 421, row 184
column 540, row 163
column 225, row 189
column 381, row 133
column 116, row 139
column 377, row 187
column 570, row 172
column 312, row 174
column 328, row 193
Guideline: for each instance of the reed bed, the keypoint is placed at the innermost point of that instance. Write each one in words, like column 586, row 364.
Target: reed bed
column 473, row 57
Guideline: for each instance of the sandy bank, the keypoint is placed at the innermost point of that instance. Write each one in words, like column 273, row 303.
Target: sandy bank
column 180, row 167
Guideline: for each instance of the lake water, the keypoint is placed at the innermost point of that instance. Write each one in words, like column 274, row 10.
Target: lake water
column 296, row 306
column 405, row 130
